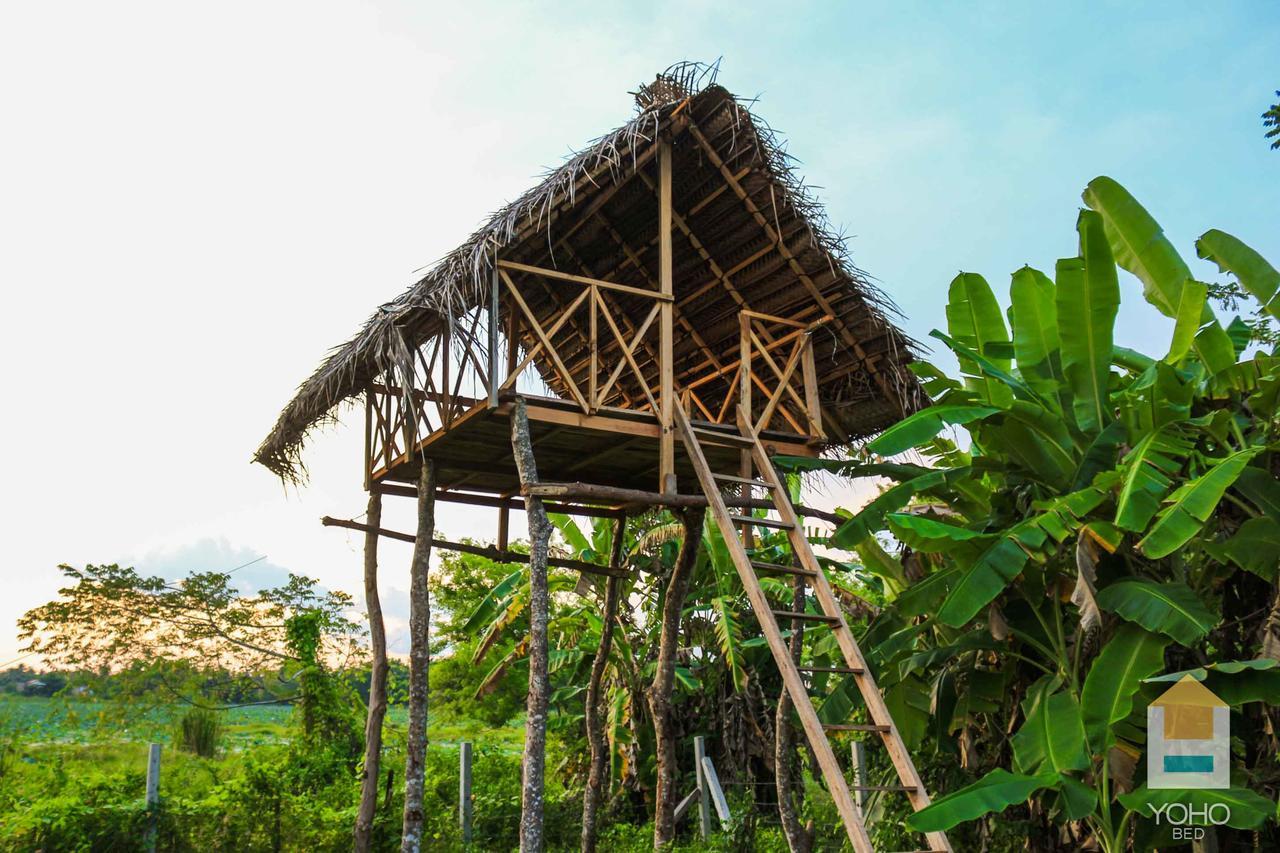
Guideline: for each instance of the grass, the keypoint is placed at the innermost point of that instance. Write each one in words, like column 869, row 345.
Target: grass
column 75, row 731
column 50, row 721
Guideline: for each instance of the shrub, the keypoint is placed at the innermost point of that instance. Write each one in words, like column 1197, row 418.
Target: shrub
column 199, row 732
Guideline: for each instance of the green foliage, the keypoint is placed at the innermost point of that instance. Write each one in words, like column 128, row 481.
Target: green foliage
column 1113, row 515
column 199, row 731
column 1271, row 121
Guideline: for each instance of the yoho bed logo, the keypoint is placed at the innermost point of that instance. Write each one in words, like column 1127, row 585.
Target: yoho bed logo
column 1188, row 738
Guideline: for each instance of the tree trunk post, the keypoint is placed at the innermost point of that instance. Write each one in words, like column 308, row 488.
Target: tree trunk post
column 598, row 775
column 415, row 759
column 535, row 737
column 799, row 837
column 667, row 794
column 377, row 681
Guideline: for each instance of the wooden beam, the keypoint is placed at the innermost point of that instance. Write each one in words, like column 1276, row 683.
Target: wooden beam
column 635, row 261
column 507, row 503
column 480, row 551
column 582, row 279
column 545, row 339
column 494, row 294
column 637, row 497
column 666, row 331
column 810, row 372
column 801, row 274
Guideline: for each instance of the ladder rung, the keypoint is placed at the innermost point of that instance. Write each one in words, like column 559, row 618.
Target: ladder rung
column 786, row 570
column 883, row 788
column 763, row 522
column 741, row 481
column 855, row 727
column 731, row 438
column 812, row 617
column 848, row 670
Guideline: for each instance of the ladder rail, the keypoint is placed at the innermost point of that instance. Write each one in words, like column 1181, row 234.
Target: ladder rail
column 917, row 795
column 831, row 771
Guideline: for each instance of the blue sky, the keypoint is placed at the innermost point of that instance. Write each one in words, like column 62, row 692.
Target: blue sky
column 201, row 200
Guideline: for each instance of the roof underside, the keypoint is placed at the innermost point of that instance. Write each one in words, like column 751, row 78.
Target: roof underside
column 746, row 235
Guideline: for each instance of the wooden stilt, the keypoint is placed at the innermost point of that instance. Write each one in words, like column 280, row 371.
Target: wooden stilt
column 666, row 329
column 535, row 739
column 377, row 682
column 504, row 528
column 598, row 774
column 667, row 794
column 419, row 661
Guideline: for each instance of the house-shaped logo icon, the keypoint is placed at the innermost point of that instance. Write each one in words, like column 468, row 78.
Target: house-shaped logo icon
column 1188, row 738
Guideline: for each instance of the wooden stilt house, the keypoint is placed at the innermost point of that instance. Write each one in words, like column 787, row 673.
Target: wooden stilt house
column 672, row 308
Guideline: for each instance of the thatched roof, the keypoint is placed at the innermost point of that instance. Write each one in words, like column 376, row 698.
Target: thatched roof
column 750, row 234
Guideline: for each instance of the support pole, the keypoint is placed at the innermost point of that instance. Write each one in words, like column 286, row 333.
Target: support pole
column 704, row 790
column 504, row 528
column 415, row 761
column 377, row 681
column 535, row 739
column 745, row 468
column 493, row 337
column 598, row 772
column 464, row 790
column 789, row 783
column 666, row 334
column 660, row 708
column 153, row 795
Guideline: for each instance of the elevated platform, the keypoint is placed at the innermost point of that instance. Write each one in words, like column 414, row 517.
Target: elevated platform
column 614, row 447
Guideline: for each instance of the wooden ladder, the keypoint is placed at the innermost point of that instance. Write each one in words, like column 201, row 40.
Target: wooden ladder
column 831, row 616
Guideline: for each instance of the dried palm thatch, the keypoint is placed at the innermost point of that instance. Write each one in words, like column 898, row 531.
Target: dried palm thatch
column 750, row 234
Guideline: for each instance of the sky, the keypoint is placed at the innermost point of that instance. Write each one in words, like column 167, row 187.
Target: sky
column 198, row 200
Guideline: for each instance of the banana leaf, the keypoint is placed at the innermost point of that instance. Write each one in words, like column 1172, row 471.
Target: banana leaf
column 974, row 320
column 1236, row 682
column 1255, row 547
column 925, row 424
column 1190, row 506
column 994, row 792
column 1088, row 296
column 1051, row 738
column 1169, row 608
column 1115, row 676
column 1139, row 245
column 1148, row 475
column 1252, row 270
column 1187, row 320
column 1033, row 315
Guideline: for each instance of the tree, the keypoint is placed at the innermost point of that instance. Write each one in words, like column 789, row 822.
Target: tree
column 722, row 674
column 199, row 638
column 415, row 754
column 673, row 601
column 1271, row 121
column 1115, row 515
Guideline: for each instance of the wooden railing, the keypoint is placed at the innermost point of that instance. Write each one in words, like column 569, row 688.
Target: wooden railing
column 775, row 357
column 596, row 300
column 448, row 377
column 589, row 341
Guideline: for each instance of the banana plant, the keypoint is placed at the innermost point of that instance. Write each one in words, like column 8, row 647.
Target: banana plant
column 1090, row 517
